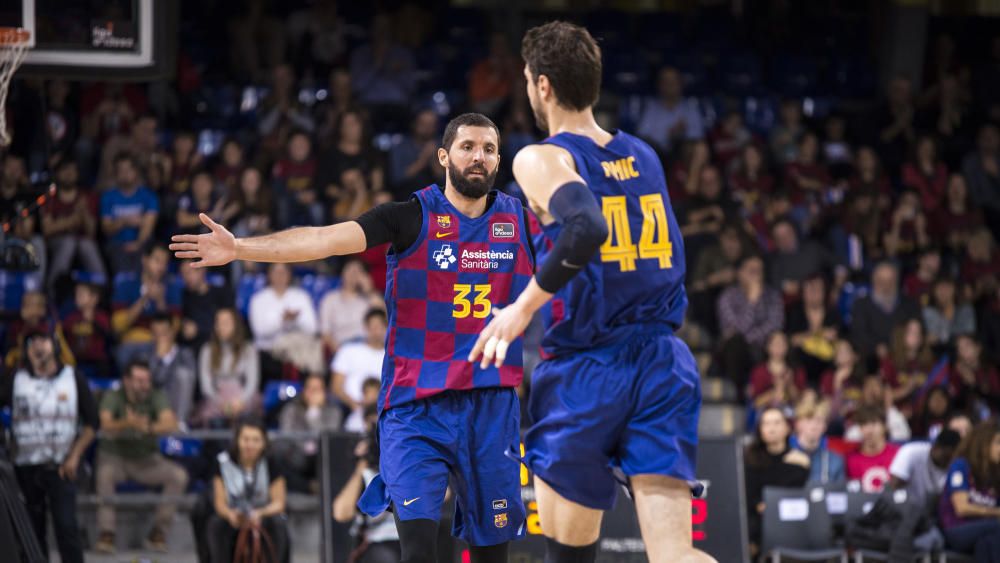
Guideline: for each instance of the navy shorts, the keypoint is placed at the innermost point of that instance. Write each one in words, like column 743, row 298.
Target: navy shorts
column 461, row 434
column 631, row 407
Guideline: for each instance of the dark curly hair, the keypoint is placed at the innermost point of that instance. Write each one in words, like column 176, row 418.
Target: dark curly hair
column 975, row 448
column 569, row 57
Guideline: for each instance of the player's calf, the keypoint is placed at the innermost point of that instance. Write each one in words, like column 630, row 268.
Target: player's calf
column 663, row 505
column 417, row 540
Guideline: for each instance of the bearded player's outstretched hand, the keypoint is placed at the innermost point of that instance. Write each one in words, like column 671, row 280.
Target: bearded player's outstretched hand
column 216, row 248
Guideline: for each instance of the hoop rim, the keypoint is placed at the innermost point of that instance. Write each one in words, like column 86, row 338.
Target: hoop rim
column 14, row 37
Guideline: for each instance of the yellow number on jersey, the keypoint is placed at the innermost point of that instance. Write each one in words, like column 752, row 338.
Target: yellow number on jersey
column 654, row 222
column 480, row 307
column 618, row 247
column 654, row 240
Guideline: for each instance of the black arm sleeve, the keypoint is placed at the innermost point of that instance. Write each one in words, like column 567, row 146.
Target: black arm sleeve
column 584, row 230
column 85, row 401
column 398, row 223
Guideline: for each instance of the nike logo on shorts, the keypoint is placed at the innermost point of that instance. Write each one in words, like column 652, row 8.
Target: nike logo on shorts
column 411, row 501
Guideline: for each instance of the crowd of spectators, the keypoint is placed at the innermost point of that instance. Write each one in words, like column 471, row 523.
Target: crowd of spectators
column 844, row 273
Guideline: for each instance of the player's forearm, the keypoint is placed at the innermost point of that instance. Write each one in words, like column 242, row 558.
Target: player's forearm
column 303, row 244
column 533, row 297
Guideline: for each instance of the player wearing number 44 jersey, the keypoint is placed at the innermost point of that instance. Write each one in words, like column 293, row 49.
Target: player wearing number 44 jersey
column 457, row 253
column 617, row 390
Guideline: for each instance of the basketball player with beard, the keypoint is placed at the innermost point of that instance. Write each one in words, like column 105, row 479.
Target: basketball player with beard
column 456, row 253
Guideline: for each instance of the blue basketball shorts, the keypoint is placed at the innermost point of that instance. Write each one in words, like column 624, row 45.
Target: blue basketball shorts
column 463, row 435
column 631, row 406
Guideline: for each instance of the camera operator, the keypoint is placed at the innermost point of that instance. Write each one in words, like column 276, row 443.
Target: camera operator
column 53, row 421
column 375, row 539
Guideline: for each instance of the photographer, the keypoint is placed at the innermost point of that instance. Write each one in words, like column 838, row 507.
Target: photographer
column 376, row 539
column 249, row 495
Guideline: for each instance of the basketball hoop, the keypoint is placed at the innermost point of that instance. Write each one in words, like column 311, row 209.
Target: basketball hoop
column 14, row 43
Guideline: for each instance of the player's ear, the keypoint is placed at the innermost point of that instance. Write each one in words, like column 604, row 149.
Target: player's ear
column 443, row 157
column 544, row 87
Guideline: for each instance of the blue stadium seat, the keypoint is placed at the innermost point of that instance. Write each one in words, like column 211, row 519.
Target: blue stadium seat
column 249, row 284
column 318, row 285
column 215, row 279
column 277, row 392
column 848, row 294
column 5, row 417
column 174, row 446
column 103, row 383
column 13, row 286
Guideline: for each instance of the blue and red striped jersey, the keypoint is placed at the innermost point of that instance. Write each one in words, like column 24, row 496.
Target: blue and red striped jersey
column 637, row 278
column 440, row 293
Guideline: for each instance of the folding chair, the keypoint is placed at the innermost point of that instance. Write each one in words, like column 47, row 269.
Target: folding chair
column 860, row 503
column 798, row 526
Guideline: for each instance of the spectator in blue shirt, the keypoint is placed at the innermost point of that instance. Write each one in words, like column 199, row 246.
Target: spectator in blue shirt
column 382, row 71
column 671, row 118
column 810, row 437
column 128, row 215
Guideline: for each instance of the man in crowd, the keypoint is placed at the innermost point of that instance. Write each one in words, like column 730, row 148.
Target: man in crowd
column 128, row 215
column 88, row 330
column 173, row 367
column 671, row 118
column 921, row 468
column 137, row 297
column 277, row 310
column 199, row 302
column 133, row 417
column 873, row 316
column 357, row 362
column 69, row 226
column 342, row 311
column 870, row 463
column 413, row 162
column 53, row 422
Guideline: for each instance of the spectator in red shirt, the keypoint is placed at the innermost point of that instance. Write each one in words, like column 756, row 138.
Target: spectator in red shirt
column 843, row 383
column 229, row 169
column 684, row 174
column 870, row 179
column 806, row 176
column 955, row 219
column 69, row 225
column 917, row 285
column 774, row 383
column 981, row 268
column 870, row 463
column 34, row 317
column 925, row 173
column 202, row 198
column 907, row 227
column 974, row 382
column 492, row 79
column 908, row 365
column 184, row 161
column 88, row 332
column 749, row 178
column 298, row 202
column 729, row 138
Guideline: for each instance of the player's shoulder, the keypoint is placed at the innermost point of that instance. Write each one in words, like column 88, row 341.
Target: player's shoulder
column 542, row 152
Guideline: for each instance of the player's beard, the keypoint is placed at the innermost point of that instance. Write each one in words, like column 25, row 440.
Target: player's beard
column 471, row 187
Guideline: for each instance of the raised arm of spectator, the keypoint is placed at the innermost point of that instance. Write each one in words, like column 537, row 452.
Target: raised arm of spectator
column 166, row 422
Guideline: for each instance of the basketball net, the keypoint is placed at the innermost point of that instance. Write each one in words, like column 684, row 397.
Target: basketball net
column 13, row 46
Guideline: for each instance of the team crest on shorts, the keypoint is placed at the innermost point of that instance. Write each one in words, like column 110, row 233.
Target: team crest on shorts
column 444, row 221
column 500, row 520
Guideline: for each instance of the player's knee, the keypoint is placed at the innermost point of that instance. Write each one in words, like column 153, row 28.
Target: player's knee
column 417, row 540
column 556, row 552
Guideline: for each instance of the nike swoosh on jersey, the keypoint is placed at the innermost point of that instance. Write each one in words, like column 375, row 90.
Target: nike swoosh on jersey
column 411, row 501
column 442, row 235
column 568, row 265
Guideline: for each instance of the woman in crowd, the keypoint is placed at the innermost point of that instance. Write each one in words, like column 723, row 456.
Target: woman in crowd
column 248, row 492
column 774, row 383
column 975, row 381
column 969, row 510
column 842, row 383
column 254, row 197
column 770, row 461
column 926, row 173
column 909, row 364
column 956, row 218
column 229, row 370
column 945, row 317
column 750, row 180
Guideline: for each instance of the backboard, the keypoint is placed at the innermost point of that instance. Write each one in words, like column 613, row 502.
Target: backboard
column 96, row 39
